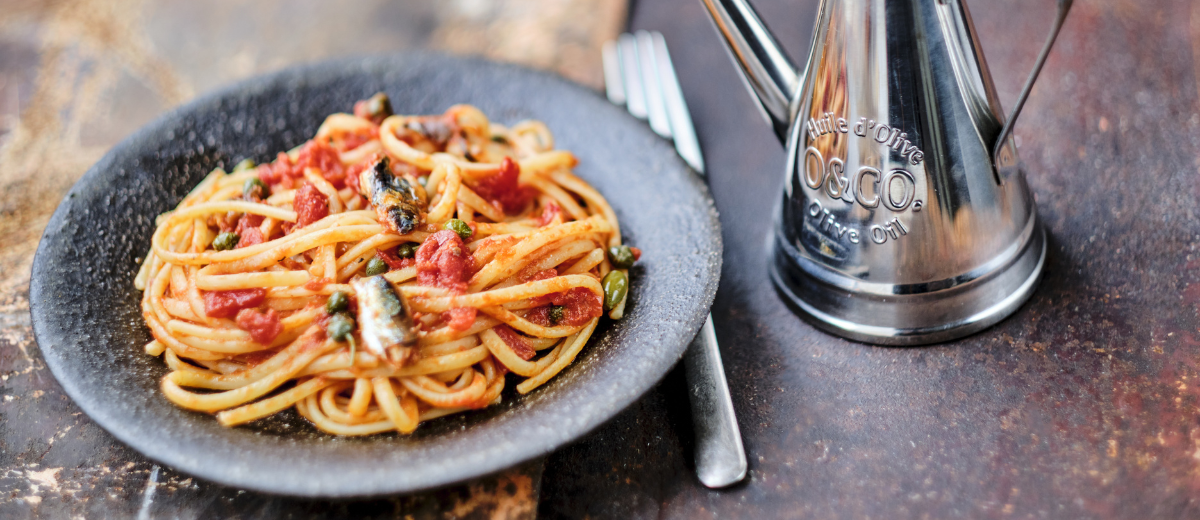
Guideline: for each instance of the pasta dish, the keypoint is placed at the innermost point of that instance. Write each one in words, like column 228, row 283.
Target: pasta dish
column 391, row 270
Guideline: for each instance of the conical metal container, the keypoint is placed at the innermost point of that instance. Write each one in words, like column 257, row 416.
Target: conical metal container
column 905, row 218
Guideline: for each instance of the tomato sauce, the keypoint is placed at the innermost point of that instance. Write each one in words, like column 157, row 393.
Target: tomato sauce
column 515, row 341
column 283, row 173
column 444, row 261
column 278, row 174
column 502, row 189
column 579, row 306
column 263, row 327
column 551, row 212
column 311, row 205
column 226, row 304
column 460, row 318
column 248, row 231
column 354, row 140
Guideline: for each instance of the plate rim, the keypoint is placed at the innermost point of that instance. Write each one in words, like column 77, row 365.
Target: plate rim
column 45, row 334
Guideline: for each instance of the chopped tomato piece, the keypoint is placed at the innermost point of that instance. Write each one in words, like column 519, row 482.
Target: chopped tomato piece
column 637, row 253
column 394, row 262
column 226, row 304
column 579, row 306
column 250, row 237
column 502, row 190
column 311, row 205
column 460, row 318
column 279, row 173
column 515, row 341
column 549, row 213
column 248, row 231
column 443, row 261
column 316, row 154
column 262, row 326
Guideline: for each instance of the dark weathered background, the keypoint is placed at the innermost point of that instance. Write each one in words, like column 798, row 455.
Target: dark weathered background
column 1084, row 404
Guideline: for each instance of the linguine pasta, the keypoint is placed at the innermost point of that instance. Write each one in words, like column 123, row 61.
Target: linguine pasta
column 389, row 271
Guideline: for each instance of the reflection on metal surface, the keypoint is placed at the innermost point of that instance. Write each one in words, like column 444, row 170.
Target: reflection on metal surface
column 896, row 226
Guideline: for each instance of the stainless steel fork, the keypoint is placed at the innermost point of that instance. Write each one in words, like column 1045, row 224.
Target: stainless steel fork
column 638, row 74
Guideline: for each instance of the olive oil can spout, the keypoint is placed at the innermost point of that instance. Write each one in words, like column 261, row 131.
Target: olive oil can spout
column 905, row 218
column 768, row 73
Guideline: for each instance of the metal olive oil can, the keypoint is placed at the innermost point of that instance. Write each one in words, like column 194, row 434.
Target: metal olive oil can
column 905, row 218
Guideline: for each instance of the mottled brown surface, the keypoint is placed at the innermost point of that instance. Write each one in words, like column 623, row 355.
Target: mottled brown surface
column 77, row 76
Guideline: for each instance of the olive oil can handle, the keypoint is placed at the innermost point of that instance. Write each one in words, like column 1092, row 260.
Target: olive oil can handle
column 1064, row 6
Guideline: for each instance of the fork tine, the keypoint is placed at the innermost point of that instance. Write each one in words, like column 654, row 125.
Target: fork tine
column 650, row 83
column 676, row 107
column 631, row 77
column 613, row 86
column 720, row 456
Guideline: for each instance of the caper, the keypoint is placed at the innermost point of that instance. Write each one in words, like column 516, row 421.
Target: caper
column 461, row 228
column 339, row 327
column 615, row 287
column 226, row 241
column 337, row 302
column 379, row 106
column 376, row 266
column 556, row 314
column 245, row 164
column 407, row 250
column 621, row 256
column 255, row 188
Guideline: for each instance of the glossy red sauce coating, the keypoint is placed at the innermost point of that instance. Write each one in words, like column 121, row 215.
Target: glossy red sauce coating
column 394, row 262
column 515, row 341
column 226, row 304
column 316, row 284
column 311, row 205
column 256, row 358
column 278, row 174
column 502, row 190
column 549, row 213
column 354, row 140
column 579, row 306
column 460, row 318
column 262, row 326
column 248, row 232
column 316, row 154
column 283, row 173
column 250, row 237
column 444, row 261
column 542, row 275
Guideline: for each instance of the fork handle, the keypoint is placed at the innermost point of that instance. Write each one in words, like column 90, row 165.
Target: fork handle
column 720, row 457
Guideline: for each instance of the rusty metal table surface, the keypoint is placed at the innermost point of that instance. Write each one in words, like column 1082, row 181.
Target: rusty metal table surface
column 1084, row 404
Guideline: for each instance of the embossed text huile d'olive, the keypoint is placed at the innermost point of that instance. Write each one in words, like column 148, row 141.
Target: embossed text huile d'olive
column 906, row 218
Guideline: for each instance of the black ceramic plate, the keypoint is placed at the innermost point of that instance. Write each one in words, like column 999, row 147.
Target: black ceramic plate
column 88, row 324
